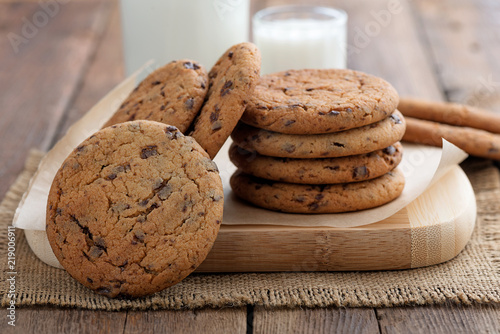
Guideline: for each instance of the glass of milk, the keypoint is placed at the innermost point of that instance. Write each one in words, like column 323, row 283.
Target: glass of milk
column 300, row 36
column 165, row 30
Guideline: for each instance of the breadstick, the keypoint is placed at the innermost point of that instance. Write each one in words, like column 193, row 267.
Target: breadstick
column 451, row 113
column 473, row 141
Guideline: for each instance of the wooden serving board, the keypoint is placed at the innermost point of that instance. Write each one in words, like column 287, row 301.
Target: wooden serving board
column 432, row 229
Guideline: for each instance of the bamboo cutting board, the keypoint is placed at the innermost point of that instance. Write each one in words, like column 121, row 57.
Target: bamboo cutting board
column 432, row 229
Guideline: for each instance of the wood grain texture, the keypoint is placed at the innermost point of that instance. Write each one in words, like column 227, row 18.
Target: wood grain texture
column 464, row 45
column 229, row 320
column 447, row 318
column 56, row 320
column 105, row 71
column 39, row 77
column 314, row 321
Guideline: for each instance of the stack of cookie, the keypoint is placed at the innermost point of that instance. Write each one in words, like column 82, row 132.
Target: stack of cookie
column 319, row 141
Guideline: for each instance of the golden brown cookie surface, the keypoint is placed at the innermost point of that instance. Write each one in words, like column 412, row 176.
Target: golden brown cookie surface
column 319, row 101
column 318, row 171
column 332, row 198
column 134, row 209
column 172, row 94
column 231, row 83
column 361, row 140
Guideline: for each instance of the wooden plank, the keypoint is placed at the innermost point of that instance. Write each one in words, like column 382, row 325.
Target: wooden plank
column 104, row 73
column 38, row 77
column 448, row 318
column 314, row 321
column 465, row 44
column 42, row 319
column 228, row 320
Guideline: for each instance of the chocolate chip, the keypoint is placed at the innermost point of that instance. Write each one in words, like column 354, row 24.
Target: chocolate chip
column 95, row 251
column 319, row 197
column 158, row 182
column 309, row 89
column 139, row 235
column 334, row 168
column 191, row 66
column 348, row 110
column 313, row 206
column 189, row 103
column 155, row 83
column 80, row 148
column 165, row 192
column 334, row 112
column 227, row 88
column 214, row 116
column 162, row 93
column 289, row 122
column 162, row 107
column 230, row 54
column 171, row 128
column 103, row 291
column 299, row 199
column 389, row 150
column 360, row 172
column 290, row 148
column 100, row 242
column 58, row 211
column 216, row 126
column 203, row 86
column 216, row 198
column 395, row 119
column 144, row 202
column 149, row 151
column 111, row 177
column 338, row 144
column 119, row 207
column 90, row 280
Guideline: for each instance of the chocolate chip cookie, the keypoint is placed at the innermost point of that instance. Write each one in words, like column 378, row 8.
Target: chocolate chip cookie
column 332, row 198
column 318, row 171
column 361, row 140
column 134, row 209
column 232, row 81
column 173, row 94
column 319, row 101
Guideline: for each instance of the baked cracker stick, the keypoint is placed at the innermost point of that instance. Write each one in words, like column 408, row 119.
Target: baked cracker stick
column 473, row 141
column 451, row 113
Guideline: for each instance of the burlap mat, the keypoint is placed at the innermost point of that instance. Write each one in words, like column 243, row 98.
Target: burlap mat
column 473, row 276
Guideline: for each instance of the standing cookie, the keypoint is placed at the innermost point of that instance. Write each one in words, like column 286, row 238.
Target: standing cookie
column 173, row 94
column 231, row 83
column 319, row 101
column 134, row 209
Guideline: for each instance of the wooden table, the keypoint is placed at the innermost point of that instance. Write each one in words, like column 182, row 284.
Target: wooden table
column 442, row 50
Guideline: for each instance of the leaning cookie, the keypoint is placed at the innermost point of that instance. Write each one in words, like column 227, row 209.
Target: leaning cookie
column 172, row 94
column 319, row 101
column 301, row 198
column 134, row 209
column 361, row 140
column 318, row 171
column 232, row 81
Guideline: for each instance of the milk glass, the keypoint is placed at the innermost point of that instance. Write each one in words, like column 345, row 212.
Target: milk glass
column 295, row 37
column 165, row 30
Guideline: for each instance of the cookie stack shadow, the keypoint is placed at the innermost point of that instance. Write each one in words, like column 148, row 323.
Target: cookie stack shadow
column 319, row 141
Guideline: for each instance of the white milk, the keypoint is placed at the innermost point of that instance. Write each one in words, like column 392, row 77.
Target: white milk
column 297, row 43
column 166, row 30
